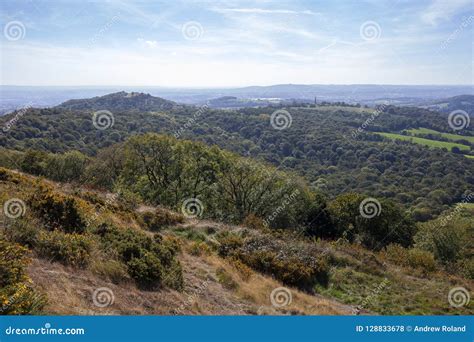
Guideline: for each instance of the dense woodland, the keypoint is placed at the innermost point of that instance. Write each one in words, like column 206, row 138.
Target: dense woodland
column 332, row 147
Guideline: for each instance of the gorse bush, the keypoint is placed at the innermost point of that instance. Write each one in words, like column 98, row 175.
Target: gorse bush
column 68, row 248
column 151, row 262
column 412, row 257
column 294, row 265
column 23, row 231
column 57, row 210
column 158, row 219
column 17, row 297
column 146, row 269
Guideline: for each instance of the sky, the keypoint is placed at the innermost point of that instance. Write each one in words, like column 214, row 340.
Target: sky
column 235, row 43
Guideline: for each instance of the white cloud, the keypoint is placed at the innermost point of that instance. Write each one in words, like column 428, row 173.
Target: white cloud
column 148, row 43
column 443, row 10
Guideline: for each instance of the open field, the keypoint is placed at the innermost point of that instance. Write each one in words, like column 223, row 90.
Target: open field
column 450, row 136
column 425, row 142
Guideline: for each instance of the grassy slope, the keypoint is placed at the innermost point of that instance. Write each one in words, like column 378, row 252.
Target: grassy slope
column 356, row 274
column 212, row 284
column 425, row 142
column 450, row 136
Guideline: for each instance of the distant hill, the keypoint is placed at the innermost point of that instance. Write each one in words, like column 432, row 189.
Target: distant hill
column 461, row 102
column 120, row 101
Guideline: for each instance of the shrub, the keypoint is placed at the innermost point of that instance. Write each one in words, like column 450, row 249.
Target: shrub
column 253, row 222
column 16, row 295
column 226, row 279
column 414, row 257
column 388, row 225
column 57, row 210
column 466, row 267
column 199, row 248
column 70, row 249
column 229, row 243
column 114, row 270
column 151, row 262
column 158, row 219
column 449, row 238
column 395, row 253
column 295, row 265
column 146, row 269
column 23, row 231
column 420, row 259
column 33, row 162
column 244, row 271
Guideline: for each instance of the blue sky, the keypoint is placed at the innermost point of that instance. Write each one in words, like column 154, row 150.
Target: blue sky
column 236, row 43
